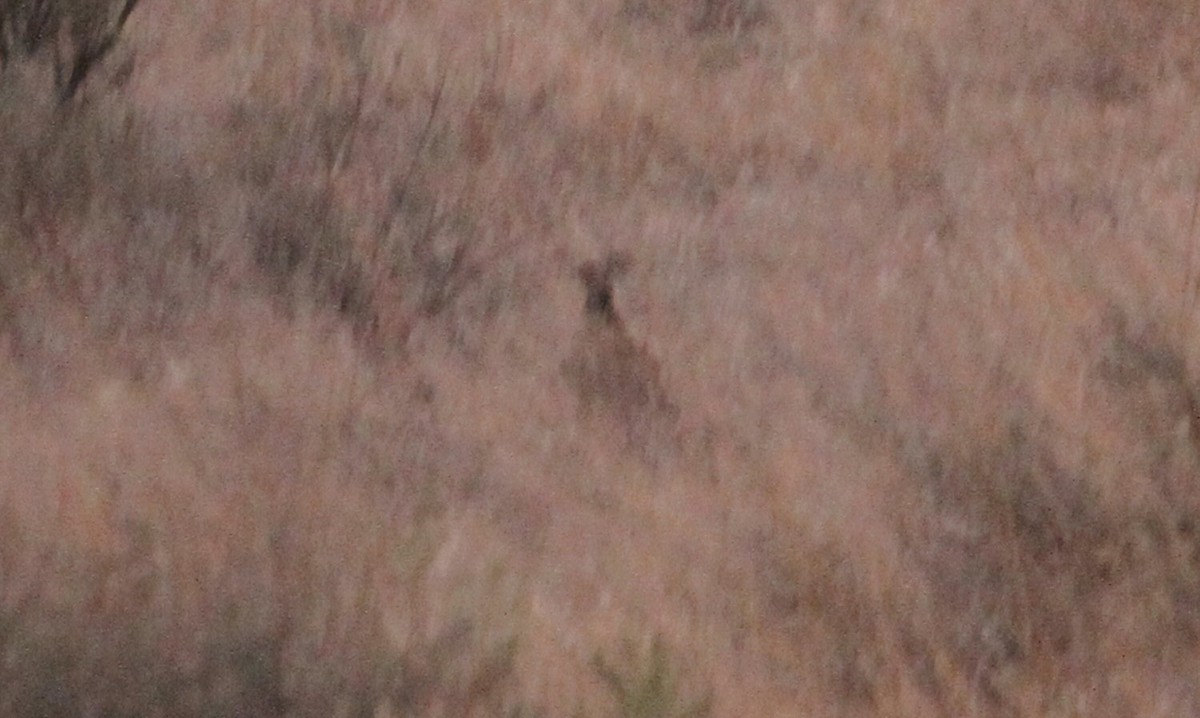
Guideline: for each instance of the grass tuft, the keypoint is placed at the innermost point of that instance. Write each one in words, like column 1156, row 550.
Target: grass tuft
column 649, row 689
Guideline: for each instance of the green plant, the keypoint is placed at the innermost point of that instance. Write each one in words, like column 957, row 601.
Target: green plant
column 651, row 690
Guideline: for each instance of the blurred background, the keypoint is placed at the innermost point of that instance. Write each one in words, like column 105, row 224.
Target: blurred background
column 893, row 408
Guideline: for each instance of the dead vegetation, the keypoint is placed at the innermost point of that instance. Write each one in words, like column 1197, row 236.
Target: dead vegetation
column 652, row 358
column 77, row 34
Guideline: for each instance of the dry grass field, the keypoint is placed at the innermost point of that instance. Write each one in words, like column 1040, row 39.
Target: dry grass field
column 600, row 358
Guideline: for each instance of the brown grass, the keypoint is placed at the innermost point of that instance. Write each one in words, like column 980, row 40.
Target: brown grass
column 304, row 409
